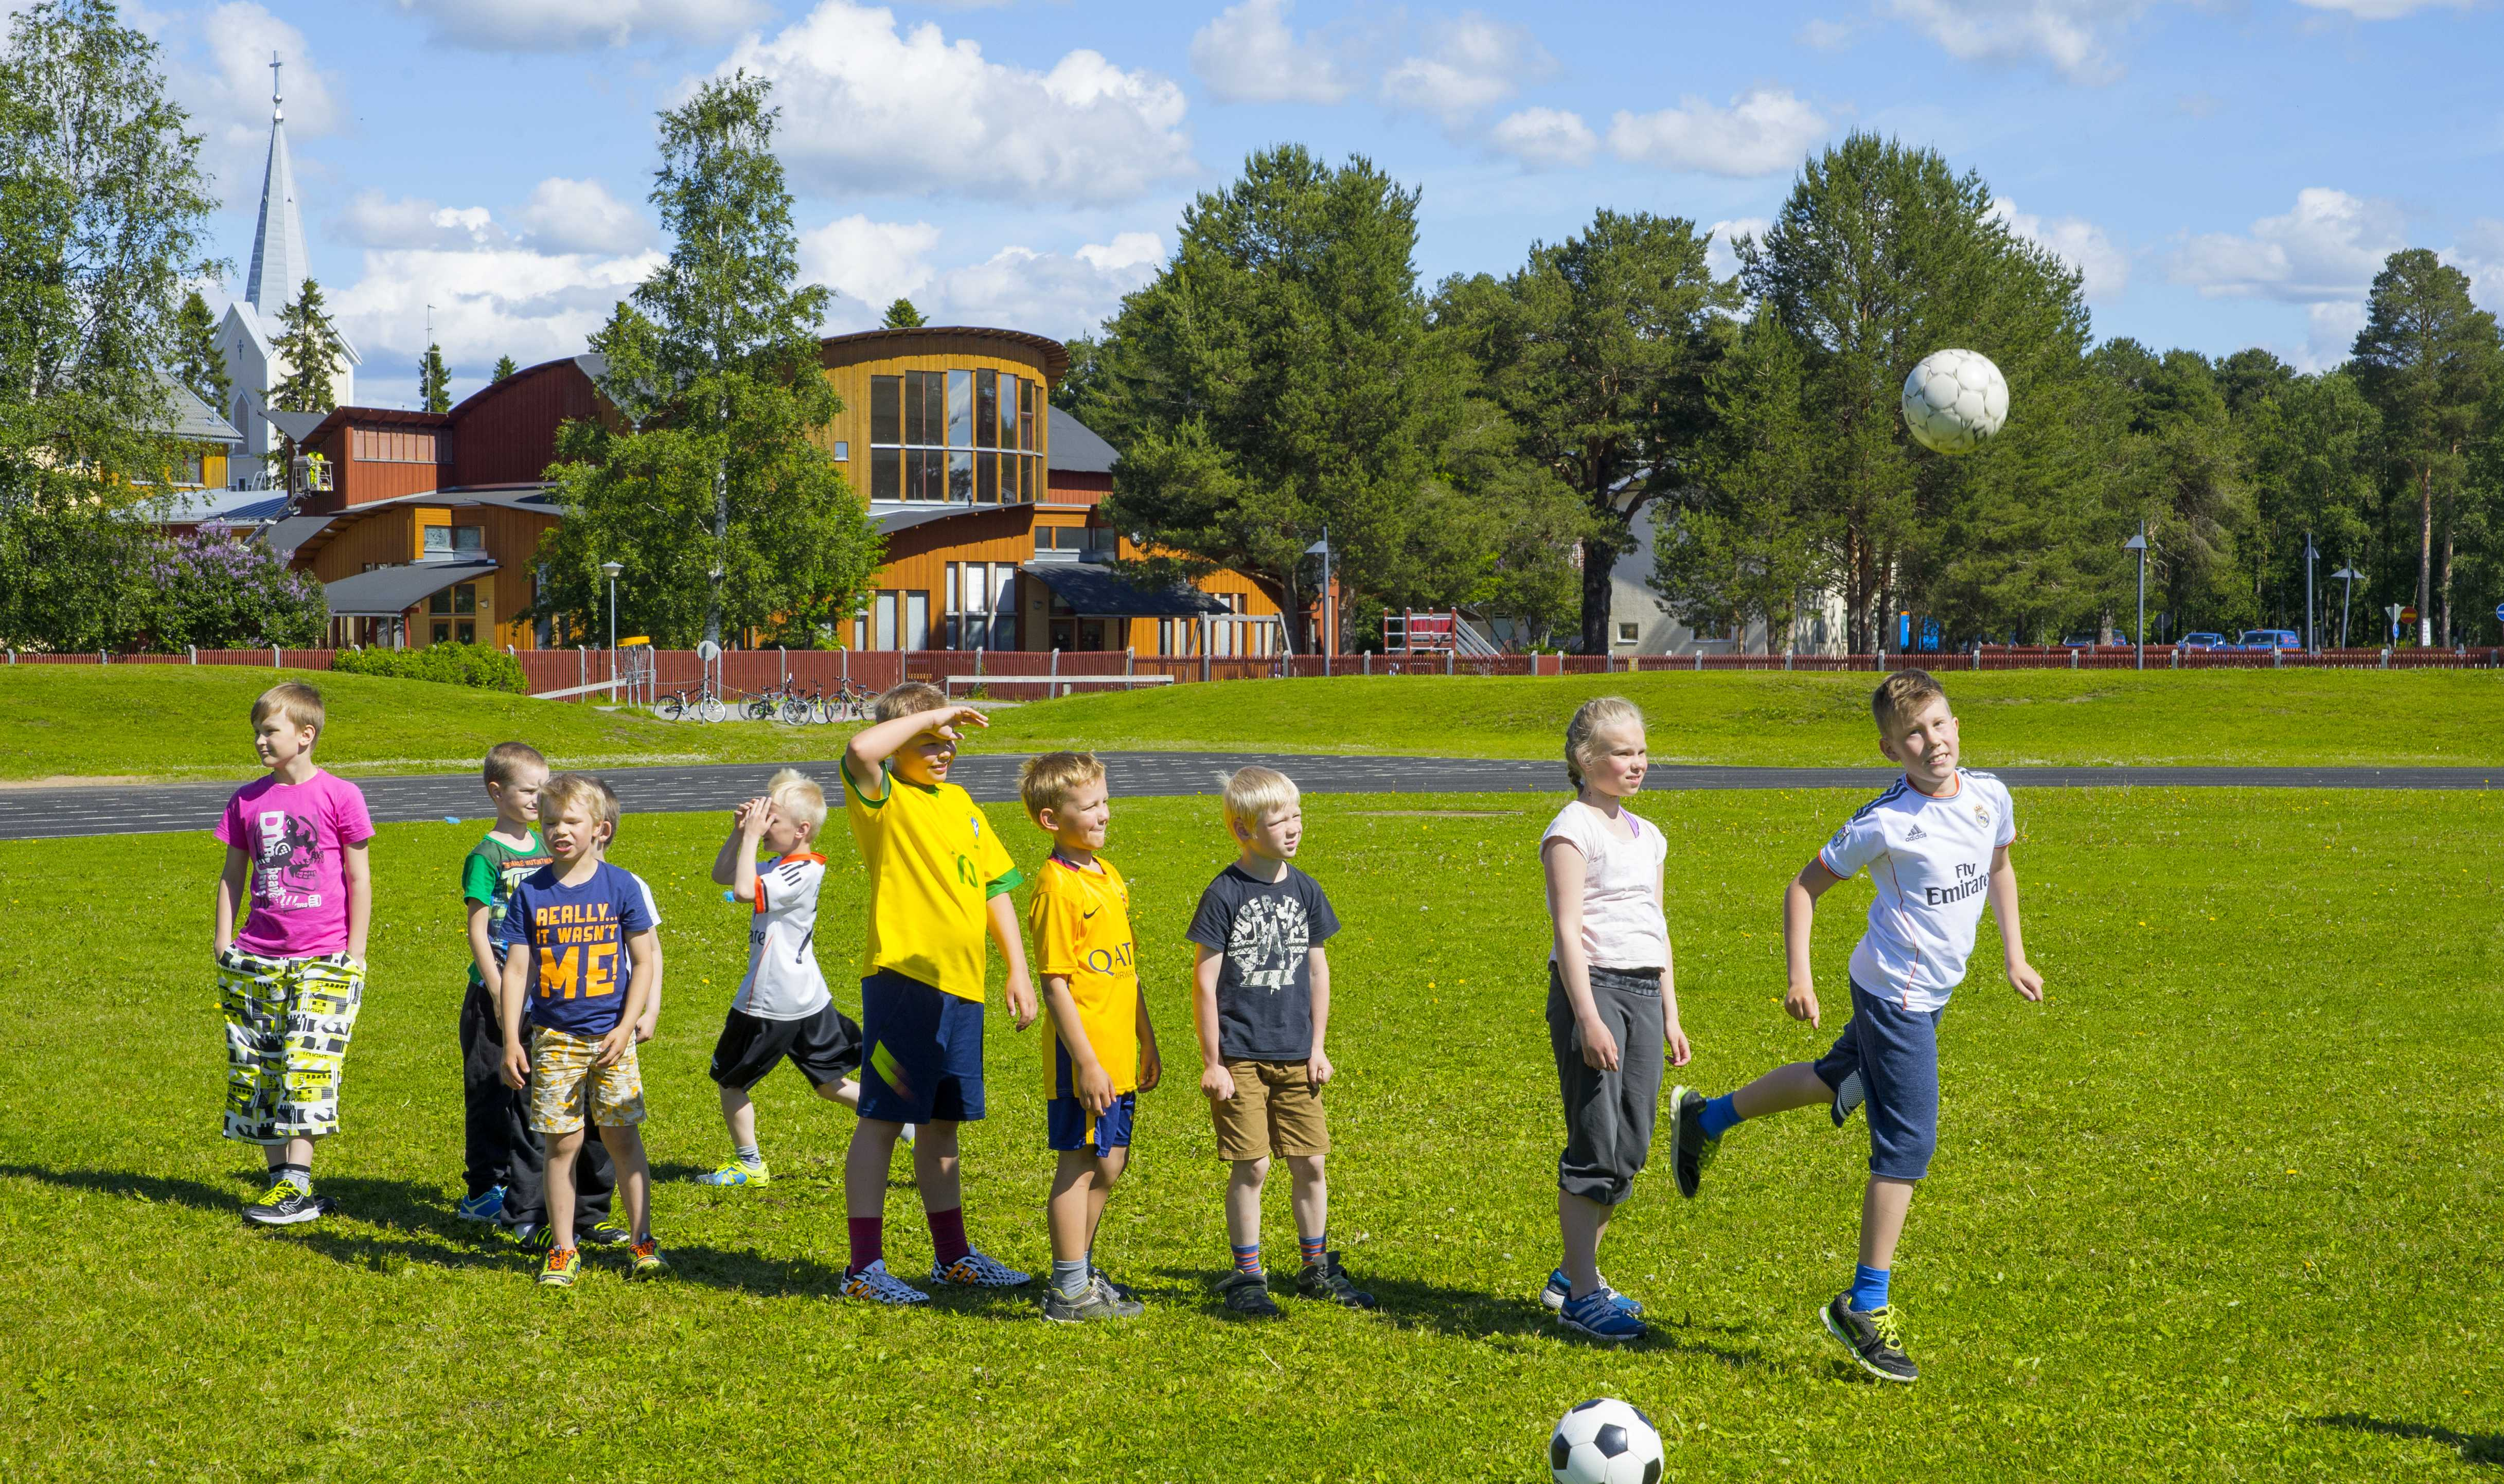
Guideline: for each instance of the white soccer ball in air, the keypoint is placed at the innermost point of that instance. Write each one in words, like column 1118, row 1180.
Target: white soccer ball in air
column 1954, row 400
column 1605, row 1441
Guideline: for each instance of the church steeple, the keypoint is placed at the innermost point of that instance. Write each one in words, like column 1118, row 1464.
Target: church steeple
column 279, row 262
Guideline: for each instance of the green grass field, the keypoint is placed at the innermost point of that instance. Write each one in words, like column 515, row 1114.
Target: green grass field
column 2224, row 1207
column 179, row 722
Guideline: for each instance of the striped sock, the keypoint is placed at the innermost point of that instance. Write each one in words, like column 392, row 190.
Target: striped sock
column 1247, row 1260
column 1316, row 1249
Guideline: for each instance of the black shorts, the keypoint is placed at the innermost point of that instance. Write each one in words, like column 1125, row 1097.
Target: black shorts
column 825, row 1047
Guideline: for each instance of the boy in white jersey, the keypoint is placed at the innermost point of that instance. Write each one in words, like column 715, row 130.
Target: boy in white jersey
column 1936, row 848
column 783, row 1008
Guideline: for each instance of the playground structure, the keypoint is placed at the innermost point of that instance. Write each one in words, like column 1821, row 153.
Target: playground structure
column 1411, row 633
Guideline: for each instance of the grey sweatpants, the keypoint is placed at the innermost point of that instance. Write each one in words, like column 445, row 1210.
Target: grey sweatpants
column 1608, row 1115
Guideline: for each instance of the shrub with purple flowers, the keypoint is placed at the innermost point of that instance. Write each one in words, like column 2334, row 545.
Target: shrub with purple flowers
column 216, row 592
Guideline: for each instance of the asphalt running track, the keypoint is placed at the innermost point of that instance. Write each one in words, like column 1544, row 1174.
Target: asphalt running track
column 59, row 812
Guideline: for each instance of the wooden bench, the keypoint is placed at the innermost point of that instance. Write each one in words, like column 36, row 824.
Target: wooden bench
column 949, row 683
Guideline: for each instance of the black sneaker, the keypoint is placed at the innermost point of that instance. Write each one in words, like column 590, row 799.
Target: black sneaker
column 1247, row 1296
column 608, row 1231
column 531, row 1236
column 1852, row 1095
column 284, row 1204
column 1876, row 1342
column 1325, row 1279
column 1692, row 1151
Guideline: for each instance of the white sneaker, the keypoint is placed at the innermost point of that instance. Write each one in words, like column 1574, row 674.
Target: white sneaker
column 879, row 1286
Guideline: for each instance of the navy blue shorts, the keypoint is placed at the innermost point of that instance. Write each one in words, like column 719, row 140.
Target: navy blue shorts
column 1065, row 1124
column 1895, row 1054
column 924, row 1057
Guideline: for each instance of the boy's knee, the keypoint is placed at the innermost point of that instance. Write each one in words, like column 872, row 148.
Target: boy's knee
column 1305, row 1168
column 1252, row 1171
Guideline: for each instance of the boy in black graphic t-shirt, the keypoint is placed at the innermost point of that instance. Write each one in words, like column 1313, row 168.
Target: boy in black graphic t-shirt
column 1262, row 1008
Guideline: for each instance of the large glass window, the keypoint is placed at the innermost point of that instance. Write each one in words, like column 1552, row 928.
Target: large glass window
column 960, row 479
column 987, row 408
column 931, row 433
column 886, row 409
column 961, row 409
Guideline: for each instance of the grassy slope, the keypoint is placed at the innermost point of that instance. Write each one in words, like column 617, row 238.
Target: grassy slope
column 168, row 721
column 2215, row 1210
column 2215, row 717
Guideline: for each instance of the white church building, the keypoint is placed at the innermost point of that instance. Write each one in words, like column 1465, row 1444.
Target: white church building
column 249, row 334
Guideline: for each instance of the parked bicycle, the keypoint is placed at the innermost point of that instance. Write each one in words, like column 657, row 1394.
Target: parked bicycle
column 696, row 701
column 771, row 702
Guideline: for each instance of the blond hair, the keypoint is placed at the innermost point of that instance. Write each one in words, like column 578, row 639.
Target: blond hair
column 300, row 703
column 566, row 789
column 911, row 698
column 1583, row 733
column 799, row 797
column 1046, row 781
column 1901, row 694
column 504, row 759
column 1253, row 794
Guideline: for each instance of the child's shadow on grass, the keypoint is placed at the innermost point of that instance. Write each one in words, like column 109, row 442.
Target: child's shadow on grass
column 421, row 1229
column 2475, row 1447
column 1477, row 1314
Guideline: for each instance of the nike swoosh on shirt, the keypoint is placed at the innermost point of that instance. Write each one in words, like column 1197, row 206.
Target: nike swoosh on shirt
column 1089, row 912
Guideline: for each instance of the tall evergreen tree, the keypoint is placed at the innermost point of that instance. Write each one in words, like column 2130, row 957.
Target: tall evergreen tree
column 308, row 348
column 2315, row 445
column 902, row 315
column 505, row 368
column 719, row 494
column 198, row 363
column 435, row 380
column 2177, row 461
column 1276, row 379
column 1596, row 350
column 2426, row 359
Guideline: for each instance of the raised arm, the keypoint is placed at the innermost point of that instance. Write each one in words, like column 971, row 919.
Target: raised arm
column 725, row 861
column 872, row 745
column 1800, row 915
column 1564, row 865
column 2022, row 977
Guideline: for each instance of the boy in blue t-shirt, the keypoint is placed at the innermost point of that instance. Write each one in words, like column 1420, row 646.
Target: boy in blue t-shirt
column 1935, row 844
column 576, row 922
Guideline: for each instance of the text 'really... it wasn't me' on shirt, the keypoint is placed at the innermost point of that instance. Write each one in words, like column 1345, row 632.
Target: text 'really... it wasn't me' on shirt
column 576, row 938
column 1929, row 857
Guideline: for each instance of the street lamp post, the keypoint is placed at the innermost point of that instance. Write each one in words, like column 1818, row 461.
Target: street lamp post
column 2309, row 556
column 2345, row 575
column 1330, row 629
column 610, row 571
column 2139, row 544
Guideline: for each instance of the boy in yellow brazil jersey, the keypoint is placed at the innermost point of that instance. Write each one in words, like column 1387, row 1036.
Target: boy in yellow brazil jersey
column 939, row 878
column 1099, row 1050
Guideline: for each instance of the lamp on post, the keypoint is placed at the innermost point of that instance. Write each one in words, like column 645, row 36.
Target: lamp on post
column 1330, row 628
column 2309, row 556
column 2349, row 577
column 610, row 571
column 2139, row 544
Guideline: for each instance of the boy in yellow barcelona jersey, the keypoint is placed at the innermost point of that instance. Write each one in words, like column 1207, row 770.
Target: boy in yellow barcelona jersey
column 939, row 878
column 1099, row 1053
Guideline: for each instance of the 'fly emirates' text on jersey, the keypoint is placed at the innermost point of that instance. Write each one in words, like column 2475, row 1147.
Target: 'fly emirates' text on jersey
column 1930, row 860
column 784, row 982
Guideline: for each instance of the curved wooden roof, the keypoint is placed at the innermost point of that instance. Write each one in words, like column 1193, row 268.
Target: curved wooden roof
column 870, row 344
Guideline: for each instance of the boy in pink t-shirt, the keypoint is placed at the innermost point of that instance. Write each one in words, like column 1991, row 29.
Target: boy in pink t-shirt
column 291, row 978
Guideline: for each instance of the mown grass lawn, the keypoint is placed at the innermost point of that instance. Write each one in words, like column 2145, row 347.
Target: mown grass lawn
column 2224, row 1207
column 2219, row 717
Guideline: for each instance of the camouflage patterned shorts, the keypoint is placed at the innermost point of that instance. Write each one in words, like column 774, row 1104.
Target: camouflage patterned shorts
column 564, row 1085
column 288, row 1023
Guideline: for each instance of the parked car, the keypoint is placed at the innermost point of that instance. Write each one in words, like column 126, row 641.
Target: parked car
column 2204, row 639
column 2271, row 638
column 2090, row 641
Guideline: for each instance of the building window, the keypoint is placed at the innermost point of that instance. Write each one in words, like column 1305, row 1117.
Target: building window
column 843, row 451
column 981, row 605
column 1627, row 634
column 446, row 541
column 460, row 597
column 932, row 436
column 389, row 445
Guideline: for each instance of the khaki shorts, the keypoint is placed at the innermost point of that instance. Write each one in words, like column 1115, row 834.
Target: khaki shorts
column 1274, row 1111
column 564, row 1085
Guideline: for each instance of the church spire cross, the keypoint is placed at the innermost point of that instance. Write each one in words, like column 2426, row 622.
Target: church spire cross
column 277, row 114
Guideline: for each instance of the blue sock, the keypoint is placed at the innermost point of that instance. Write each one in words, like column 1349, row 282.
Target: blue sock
column 1718, row 1117
column 1868, row 1288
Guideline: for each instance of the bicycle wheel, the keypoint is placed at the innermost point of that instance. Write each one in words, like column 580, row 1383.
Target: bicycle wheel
column 796, row 710
column 710, row 708
column 673, row 707
column 763, row 707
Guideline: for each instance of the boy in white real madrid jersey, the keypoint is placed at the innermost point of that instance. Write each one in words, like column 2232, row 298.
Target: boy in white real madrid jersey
column 783, row 1008
column 1935, row 844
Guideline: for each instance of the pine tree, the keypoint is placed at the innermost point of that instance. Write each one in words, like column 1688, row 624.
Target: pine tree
column 198, row 363
column 308, row 347
column 902, row 315
column 505, row 367
column 435, row 380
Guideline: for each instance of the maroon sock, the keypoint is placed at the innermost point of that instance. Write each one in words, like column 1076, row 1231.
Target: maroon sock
column 947, row 1234
column 868, row 1240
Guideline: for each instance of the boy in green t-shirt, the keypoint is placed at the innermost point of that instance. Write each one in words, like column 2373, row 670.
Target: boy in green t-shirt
column 496, row 1123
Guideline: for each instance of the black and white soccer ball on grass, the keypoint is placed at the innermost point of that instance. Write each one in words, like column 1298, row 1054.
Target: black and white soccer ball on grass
column 1605, row 1441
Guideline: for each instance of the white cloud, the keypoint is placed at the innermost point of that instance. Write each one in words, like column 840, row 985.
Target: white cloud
column 580, row 25
column 2382, row 9
column 1249, row 54
column 2330, row 334
column 1545, row 138
column 2327, row 249
column 377, row 221
column 2479, row 253
column 1474, row 63
column 867, row 107
column 1763, row 132
column 869, row 264
column 226, row 82
column 2103, row 270
column 583, row 217
column 1719, row 253
column 2074, row 37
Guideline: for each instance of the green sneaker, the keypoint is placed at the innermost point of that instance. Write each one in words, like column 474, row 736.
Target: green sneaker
column 736, row 1172
column 1875, row 1337
column 563, row 1265
column 644, row 1262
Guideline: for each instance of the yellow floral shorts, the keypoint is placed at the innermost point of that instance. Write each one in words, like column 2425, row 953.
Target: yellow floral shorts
column 565, row 1086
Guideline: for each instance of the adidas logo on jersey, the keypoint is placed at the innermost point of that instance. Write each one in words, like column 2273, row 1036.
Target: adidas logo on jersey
column 1915, row 833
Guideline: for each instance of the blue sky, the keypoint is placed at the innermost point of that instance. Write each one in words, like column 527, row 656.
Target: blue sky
column 2226, row 174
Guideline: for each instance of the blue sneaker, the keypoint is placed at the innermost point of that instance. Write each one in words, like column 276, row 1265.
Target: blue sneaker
column 487, row 1207
column 1596, row 1317
column 1561, row 1288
